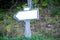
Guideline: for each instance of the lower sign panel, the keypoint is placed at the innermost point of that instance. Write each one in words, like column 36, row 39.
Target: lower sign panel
column 27, row 15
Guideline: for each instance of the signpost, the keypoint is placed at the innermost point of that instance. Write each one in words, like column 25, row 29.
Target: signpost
column 29, row 3
column 26, row 16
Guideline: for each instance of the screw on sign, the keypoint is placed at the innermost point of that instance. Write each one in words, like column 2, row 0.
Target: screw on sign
column 26, row 16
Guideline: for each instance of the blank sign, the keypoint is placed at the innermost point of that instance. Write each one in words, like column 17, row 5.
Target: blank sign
column 27, row 15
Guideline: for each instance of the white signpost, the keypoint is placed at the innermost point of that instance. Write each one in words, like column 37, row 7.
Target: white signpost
column 26, row 16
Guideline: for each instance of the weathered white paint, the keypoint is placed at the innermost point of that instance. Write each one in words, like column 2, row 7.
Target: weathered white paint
column 27, row 15
column 27, row 29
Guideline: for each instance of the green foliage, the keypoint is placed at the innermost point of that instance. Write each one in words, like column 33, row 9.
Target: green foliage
column 35, row 2
column 40, row 8
column 23, row 38
column 56, row 2
column 52, row 20
column 33, row 21
column 44, row 4
column 55, row 12
column 1, row 14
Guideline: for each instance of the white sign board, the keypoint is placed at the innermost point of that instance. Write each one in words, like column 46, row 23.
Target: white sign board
column 27, row 15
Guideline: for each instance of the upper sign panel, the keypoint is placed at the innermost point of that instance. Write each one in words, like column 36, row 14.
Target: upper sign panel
column 27, row 15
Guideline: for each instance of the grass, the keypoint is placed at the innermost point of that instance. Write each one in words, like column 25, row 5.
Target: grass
column 32, row 38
